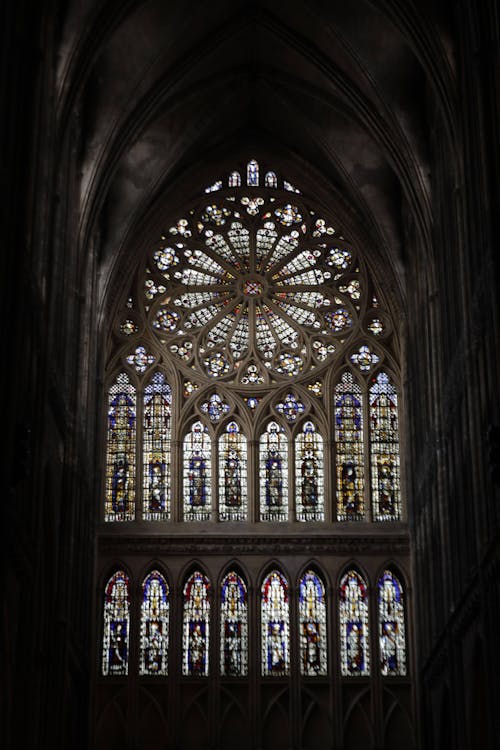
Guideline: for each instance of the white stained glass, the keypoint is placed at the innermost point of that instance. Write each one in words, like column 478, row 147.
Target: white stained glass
column 391, row 622
column 233, row 501
column 196, row 624
column 234, row 627
column 116, row 625
column 275, row 625
column 384, row 448
column 353, row 620
column 273, row 473
column 120, row 458
column 252, row 173
column 309, row 474
column 197, row 450
column 349, row 449
column 156, row 449
column 154, row 625
column 312, row 626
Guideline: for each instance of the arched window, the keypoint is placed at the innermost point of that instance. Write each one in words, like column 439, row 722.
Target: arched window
column 233, row 626
column 196, row 625
column 312, row 624
column 252, row 425
column 354, row 626
column 115, row 641
column 275, row 624
column 154, row 625
column 391, row 622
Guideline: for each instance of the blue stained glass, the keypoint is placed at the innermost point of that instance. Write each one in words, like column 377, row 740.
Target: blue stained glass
column 196, row 625
column 197, row 474
column 391, row 619
column 234, row 626
column 116, row 625
column 312, row 614
column 354, row 633
column 275, row 625
column 291, row 408
column 121, row 461
column 252, row 173
column 154, row 625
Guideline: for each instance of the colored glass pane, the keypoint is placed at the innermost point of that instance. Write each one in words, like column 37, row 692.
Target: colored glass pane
column 153, row 658
column 273, row 473
column 196, row 623
column 391, row 623
column 353, row 622
column 120, row 459
column 233, row 626
column 349, row 449
column 384, row 447
column 157, row 449
column 309, row 474
column 275, row 625
column 116, row 625
column 312, row 626
column 233, row 502
column 197, row 453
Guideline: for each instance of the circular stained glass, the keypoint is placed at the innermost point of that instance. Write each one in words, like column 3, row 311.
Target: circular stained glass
column 242, row 289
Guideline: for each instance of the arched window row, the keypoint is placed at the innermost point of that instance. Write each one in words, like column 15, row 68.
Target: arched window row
column 220, row 464
column 286, row 615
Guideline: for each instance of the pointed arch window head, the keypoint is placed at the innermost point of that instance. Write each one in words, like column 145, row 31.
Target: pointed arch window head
column 391, row 623
column 275, row 625
column 309, row 474
column 252, row 173
column 157, row 438
column 196, row 625
column 354, row 626
column 349, row 449
column 273, row 473
column 120, row 460
column 384, row 443
column 234, row 626
column 116, row 622
column 197, row 450
column 154, row 625
column 233, row 491
column 312, row 626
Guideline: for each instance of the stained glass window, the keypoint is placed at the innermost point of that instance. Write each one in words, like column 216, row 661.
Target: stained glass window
column 121, row 461
column 156, row 449
column 349, row 448
column 353, row 620
column 197, row 473
column 233, row 503
column 312, row 625
column 384, row 447
column 391, row 622
column 271, row 180
column 196, row 625
column 252, row 173
column 233, row 626
column 309, row 474
column 115, row 642
column 154, row 625
column 275, row 625
column 273, row 471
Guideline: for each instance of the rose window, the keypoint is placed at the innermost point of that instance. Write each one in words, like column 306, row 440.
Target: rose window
column 254, row 288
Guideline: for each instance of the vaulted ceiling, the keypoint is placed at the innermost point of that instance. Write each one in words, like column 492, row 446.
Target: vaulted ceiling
column 336, row 95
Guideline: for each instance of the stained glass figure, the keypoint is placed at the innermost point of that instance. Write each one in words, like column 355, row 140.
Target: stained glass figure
column 384, row 447
column 275, row 625
column 116, row 621
column 120, row 459
column 232, row 474
column 234, row 179
column 273, row 472
column 354, row 632
column 157, row 449
column 309, row 474
column 312, row 626
column 252, row 173
column 391, row 623
column 154, row 625
column 233, row 627
column 197, row 452
column 349, row 449
column 271, row 180
column 196, row 623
